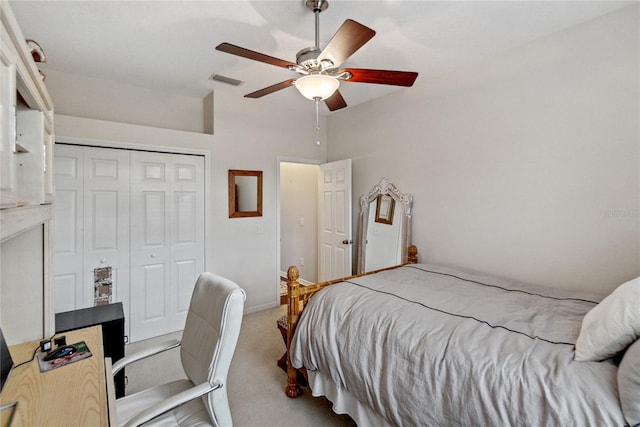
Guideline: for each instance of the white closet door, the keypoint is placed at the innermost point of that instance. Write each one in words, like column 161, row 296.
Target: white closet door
column 68, row 214
column 167, row 240
column 106, row 220
column 91, row 223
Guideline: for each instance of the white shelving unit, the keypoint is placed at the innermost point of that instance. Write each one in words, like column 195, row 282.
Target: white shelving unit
column 26, row 189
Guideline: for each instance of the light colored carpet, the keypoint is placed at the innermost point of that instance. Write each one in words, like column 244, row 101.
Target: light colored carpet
column 255, row 382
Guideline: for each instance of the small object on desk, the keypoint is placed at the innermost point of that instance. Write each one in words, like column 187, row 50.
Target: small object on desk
column 59, row 352
column 60, row 341
column 63, row 356
column 45, row 346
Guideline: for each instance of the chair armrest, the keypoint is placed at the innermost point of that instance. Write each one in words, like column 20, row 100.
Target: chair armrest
column 143, row 354
column 172, row 403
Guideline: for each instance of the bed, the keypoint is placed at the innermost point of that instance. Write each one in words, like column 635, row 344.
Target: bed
column 423, row 344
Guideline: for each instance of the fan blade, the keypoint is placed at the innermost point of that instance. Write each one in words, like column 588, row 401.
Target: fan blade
column 335, row 101
column 350, row 37
column 273, row 88
column 383, row 77
column 250, row 54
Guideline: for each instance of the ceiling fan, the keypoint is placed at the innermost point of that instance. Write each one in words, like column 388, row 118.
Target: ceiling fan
column 319, row 69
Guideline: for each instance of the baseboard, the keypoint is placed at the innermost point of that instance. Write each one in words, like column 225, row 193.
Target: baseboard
column 261, row 307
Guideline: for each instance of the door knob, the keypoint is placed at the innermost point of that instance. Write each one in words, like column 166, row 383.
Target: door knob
column 347, row 242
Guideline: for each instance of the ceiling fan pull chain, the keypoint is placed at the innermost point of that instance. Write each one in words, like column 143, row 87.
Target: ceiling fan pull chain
column 317, row 121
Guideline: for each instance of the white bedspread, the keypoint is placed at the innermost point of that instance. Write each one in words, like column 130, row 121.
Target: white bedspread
column 426, row 345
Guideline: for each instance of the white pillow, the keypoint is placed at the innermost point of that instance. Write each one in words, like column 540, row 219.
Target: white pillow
column 611, row 326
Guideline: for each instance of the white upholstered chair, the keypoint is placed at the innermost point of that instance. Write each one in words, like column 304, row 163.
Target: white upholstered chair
column 206, row 348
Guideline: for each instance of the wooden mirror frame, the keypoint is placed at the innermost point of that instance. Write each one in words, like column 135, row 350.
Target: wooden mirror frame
column 385, row 216
column 384, row 187
column 233, row 196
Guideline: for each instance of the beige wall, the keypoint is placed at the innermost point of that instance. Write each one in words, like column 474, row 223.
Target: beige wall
column 21, row 307
column 525, row 166
column 101, row 99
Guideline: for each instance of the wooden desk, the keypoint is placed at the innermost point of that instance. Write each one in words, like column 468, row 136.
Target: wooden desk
column 72, row 395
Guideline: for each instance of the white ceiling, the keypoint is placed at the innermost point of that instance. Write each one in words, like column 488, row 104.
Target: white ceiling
column 169, row 45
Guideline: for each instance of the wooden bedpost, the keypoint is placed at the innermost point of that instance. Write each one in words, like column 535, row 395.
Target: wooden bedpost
column 413, row 254
column 293, row 388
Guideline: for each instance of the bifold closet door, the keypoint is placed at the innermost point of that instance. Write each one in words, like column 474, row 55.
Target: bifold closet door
column 91, row 223
column 140, row 213
column 167, row 240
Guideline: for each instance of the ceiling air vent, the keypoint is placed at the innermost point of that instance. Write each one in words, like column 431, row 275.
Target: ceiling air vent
column 228, row 80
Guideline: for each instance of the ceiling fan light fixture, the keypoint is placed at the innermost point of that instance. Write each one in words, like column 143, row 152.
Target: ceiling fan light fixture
column 316, row 86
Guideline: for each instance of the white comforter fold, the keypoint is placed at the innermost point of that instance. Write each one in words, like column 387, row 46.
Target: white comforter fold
column 426, row 345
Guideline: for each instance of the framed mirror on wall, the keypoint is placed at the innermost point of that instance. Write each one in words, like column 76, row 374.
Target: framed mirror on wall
column 245, row 193
column 384, row 230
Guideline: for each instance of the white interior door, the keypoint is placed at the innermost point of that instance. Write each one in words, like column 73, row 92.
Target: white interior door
column 106, row 220
column 91, row 223
column 167, row 240
column 69, row 207
column 334, row 220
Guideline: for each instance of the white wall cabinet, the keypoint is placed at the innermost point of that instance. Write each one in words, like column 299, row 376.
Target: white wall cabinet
column 30, row 156
column 26, row 190
column 27, row 122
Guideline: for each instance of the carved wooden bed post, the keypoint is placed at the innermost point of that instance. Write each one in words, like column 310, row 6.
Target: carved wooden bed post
column 293, row 388
column 413, row 254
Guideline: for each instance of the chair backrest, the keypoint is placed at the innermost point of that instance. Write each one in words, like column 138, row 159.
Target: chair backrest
column 209, row 339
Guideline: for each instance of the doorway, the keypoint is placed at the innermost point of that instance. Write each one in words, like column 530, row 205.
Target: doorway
column 299, row 219
column 314, row 220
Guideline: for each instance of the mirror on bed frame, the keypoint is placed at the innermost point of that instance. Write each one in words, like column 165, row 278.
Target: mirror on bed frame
column 384, row 228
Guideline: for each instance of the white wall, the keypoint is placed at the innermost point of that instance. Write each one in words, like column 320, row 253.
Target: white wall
column 250, row 136
column 21, row 308
column 299, row 219
column 101, row 99
column 525, row 166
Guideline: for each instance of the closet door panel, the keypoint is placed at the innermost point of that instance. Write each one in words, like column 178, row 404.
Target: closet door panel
column 151, row 275
column 188, row 245
column 167, row 195
column 154, row 219
column 65, row 290
column 186, row 273
column 68, row 217
column 106, row 221
column 154, row 295
column 91, row 223
column 104, row 207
